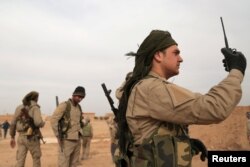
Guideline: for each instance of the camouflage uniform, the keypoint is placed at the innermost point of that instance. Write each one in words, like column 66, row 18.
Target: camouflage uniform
column 87, row 135
column 70, row 145
column 25, row 143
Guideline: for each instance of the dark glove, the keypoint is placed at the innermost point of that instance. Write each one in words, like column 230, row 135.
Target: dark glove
column 234, row 60
column 197, row 146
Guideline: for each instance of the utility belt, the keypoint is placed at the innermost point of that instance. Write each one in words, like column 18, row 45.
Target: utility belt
column 168, row 147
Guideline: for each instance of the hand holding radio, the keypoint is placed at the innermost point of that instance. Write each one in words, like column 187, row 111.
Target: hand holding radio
column 233, row 59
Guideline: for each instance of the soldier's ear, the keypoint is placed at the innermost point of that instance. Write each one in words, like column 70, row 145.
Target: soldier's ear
column 158, row 56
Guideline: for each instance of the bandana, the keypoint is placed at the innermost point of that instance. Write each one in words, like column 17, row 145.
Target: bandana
column 157, row 40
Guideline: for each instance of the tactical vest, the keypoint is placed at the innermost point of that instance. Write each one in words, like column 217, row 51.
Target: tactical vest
column 167, row 147
column 65, row 122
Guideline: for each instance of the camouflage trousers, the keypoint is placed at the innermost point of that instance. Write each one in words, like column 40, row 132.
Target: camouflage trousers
column 23, row 146
column 85, row 147
column 162, row 151
column 69, row 155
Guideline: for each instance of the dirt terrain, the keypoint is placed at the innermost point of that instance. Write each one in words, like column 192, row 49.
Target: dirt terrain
column 228, row 135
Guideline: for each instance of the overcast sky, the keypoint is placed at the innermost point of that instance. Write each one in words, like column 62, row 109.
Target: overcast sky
column 54, row 46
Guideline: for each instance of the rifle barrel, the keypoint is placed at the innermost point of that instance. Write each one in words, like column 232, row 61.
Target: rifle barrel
column 57, row 101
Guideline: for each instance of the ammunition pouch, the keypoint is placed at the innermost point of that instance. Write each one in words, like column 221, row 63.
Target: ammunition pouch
column 169, row 146
column 165, row 150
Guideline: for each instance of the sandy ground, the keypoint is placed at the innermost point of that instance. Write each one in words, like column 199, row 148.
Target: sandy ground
column 228, row 135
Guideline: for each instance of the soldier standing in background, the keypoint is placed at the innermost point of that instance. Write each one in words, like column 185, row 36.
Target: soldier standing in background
column 5, row 126
column 26, row 121
column 153, row 112
column 66, row 123
column 87, row 135
column 119, row 91
column 112, row 121
column 0, row 131
column 113, row 135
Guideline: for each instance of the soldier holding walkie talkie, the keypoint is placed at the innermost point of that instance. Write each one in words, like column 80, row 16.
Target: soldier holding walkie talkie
column 153, row 113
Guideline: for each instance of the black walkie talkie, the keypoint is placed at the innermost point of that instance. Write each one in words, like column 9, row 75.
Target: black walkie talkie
column 225, row 38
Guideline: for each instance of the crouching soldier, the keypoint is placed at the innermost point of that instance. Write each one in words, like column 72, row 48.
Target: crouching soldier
column 27, row 121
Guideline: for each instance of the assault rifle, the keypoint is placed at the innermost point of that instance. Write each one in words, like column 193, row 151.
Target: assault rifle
column 111, row 102
column 59, row 126
column 32, row 129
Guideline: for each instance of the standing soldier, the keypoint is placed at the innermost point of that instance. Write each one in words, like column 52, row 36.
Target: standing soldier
column 5, row 126
column 27, row 121
column 87, row 135
column 154, row 112
column 0, row 131
column 113, row 126
column 119, row 91
column 66, row 123
column 113, row 135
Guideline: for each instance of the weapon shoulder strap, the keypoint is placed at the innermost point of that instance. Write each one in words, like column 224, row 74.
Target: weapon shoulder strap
column 66, row 114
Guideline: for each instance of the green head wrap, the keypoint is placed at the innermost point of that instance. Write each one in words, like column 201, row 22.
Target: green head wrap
column 33, row 95
column 157, row 40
